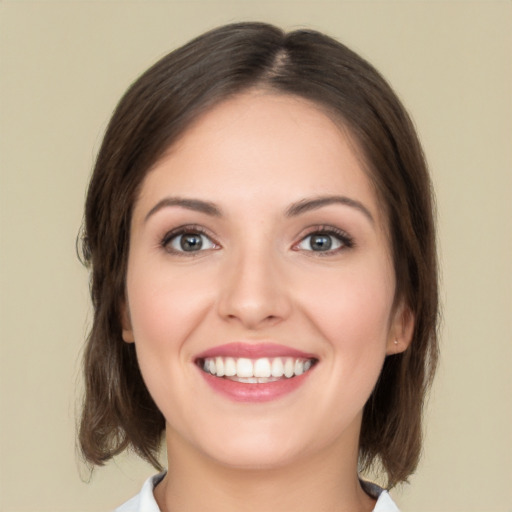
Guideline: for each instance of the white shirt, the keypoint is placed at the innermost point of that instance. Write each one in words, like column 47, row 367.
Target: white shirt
column 145, row 500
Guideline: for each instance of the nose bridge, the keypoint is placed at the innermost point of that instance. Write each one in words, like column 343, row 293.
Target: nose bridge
column 253, row 290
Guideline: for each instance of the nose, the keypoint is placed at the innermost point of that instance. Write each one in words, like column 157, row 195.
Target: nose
column 253, row 291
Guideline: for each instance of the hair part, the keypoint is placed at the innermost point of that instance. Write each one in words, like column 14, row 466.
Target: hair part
column 118, row 411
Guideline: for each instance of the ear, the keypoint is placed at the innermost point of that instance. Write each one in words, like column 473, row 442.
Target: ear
column 126, row 324
column 401, row 330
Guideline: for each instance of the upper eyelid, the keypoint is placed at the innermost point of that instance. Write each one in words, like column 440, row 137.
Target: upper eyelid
column 187, row 228
column 183, row 230
column 326, row 229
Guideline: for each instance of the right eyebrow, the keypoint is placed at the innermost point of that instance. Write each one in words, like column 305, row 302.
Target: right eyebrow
column 197, row 205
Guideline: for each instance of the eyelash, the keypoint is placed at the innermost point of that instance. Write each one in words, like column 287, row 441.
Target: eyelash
column 347, row 242
column 184, row 230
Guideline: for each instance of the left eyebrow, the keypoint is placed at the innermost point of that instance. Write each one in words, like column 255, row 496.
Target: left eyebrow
column 306, row 205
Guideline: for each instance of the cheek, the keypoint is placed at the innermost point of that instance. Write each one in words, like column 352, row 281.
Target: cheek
column 163, row 304
column 352, row 309
column 165, row 307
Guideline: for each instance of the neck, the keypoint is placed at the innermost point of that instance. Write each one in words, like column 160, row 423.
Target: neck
column 327, row 481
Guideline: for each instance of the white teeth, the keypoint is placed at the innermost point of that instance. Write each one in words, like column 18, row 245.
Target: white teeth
column 289, row 367
column 229, row 367
column 259, row 370
column 244, row 367
column 277, row 367
column 254, row 380
column 219, row 364
column 262, row 368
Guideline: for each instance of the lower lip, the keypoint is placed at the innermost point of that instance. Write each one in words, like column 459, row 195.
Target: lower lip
column 260, row 392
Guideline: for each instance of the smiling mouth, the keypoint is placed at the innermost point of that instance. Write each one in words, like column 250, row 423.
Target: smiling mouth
column 256, row 371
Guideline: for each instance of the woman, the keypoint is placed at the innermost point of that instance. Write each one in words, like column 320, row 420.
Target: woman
column 259, row 228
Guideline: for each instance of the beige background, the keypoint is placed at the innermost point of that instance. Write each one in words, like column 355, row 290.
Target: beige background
column 63, row 67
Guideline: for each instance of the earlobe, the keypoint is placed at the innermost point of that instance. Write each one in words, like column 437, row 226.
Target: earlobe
column 401, row 332
column 126, row 324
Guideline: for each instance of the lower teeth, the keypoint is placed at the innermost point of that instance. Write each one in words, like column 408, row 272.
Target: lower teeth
column 254, row 380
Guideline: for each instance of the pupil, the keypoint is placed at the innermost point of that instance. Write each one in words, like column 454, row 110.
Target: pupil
column 321, row 242
column 191, row 242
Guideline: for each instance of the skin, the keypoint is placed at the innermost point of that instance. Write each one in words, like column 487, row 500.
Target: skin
column 257, row 279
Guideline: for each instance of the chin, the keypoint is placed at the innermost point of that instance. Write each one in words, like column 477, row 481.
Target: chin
column 254, row 458
column 259, row 447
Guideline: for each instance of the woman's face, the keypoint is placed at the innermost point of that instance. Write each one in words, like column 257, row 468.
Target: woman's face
column 260, row 286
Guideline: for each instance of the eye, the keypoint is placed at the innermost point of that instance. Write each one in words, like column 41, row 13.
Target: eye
column 325, row 241
column 187, row 241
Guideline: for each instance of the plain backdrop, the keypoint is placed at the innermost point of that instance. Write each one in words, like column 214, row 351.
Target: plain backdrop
column 63, row 67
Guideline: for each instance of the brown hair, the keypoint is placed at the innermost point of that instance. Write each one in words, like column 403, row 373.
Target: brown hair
column 118, row 411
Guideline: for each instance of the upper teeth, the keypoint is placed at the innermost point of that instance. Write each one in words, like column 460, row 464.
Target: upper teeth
column 260, row 368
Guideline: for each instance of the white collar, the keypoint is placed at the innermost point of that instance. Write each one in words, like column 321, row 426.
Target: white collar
column 145, row 500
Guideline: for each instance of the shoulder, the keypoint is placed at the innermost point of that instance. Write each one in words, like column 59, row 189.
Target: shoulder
column 384, row 501
column 145, row 500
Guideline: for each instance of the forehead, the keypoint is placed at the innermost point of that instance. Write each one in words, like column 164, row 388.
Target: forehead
column 262, row 144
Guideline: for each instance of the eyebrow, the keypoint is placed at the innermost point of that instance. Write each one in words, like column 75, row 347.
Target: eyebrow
column 196, row 205
column 306, row 205
column 298, row 208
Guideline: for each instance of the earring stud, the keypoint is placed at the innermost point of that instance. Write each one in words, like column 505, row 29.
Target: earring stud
column 396, row 342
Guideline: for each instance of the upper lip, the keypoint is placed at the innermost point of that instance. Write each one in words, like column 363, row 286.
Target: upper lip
column 253, row 351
